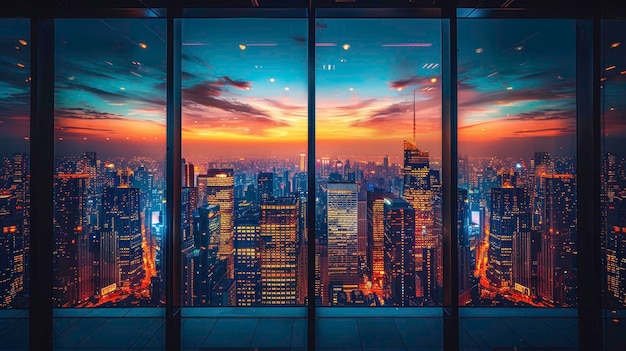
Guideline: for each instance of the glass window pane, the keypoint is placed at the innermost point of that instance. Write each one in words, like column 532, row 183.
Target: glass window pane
column 15, row 170
column 378, row 142
column 244, row 167
column 244, row 195
column 517, row 178
column 14, row 180
column 614, row 180
column 109, row 182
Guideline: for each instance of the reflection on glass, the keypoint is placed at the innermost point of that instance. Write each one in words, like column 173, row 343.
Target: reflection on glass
column 15, row 167
column 516, row 166
column 378, row 184
column 613, row 193
column 244, row 133
column 109, row 178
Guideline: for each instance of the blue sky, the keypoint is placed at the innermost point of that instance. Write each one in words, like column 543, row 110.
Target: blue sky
column 245, row 86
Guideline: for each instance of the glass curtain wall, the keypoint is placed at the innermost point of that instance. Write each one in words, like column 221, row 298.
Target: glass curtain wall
column 244, row 134
column 378, row 146
column 109, row 179
column 244, row 182
column 14, row 180
column 517, row 178
column 614, row 180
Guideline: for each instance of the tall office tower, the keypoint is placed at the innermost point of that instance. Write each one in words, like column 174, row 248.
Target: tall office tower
column 303, row 253
column 399, row 224
column 300, row 182
column 556, row 276
column 189, row 178
column 463, row 172
column 189, row 262
column 302, row 162
column 144, row 180
column 265, row 186
column 281, row 184
column 339, row 168
column 248, row 260
column 523, row 253
column 189, row 203
column 386, row 165
column 463, row 230
column 89, row 165
column 72, row 260
column 542, row 165
column 279, row 235
column 220, row 191
column 616, row 251
column 361, row 247
column 202, row 185
column 426, row 267
column 11, row 254
column 121, row 256
column 205, row 258
column 509, row 218
column 342, row 209
column 325, row 167
column 417, row 190
column 376, row 236
column 21, row 191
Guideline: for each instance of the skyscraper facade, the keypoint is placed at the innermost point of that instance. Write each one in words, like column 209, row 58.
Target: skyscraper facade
column 121, row 254
column 279, row 231
column 510, row 218
column 72, row 261
column 220, row 191
column 399, row 264
column 556, row 268
column 342, row 202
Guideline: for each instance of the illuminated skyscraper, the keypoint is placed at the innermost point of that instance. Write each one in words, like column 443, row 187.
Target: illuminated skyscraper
column 220, row 191
column 248, row 260
column 325, row 167
column 189, row 200
column 302, row 162
column 417, row 191
column 11, row 266
column 265, row 186
column 556, row 273
column 121, row 256
column 616, row 249
column 205, row 256
column 399, row 227
column 342, row 207
column 72, row 259
column 279, row 235
column 189, row 178
column 376, row 236
column 510, row 218
column 463, row 230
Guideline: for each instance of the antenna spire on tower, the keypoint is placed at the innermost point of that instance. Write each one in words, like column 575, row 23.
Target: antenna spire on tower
column 414, row 141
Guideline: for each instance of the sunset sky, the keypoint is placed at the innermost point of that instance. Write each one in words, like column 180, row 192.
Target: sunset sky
column 245, row 86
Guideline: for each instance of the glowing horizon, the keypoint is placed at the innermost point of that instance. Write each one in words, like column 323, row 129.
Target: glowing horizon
column 241, row 94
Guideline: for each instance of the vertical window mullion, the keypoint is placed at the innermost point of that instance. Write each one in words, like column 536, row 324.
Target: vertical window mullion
column 588, row 121
column 42, row 169
column 449, row 180
column 311, row 320
column 173, row 265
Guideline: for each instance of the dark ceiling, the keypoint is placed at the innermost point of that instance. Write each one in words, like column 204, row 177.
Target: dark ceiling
column 612, row 8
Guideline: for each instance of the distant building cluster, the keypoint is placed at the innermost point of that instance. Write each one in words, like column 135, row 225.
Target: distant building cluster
column 378, row 233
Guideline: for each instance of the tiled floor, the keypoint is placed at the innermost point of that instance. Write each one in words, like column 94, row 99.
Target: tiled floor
column 340, row 330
